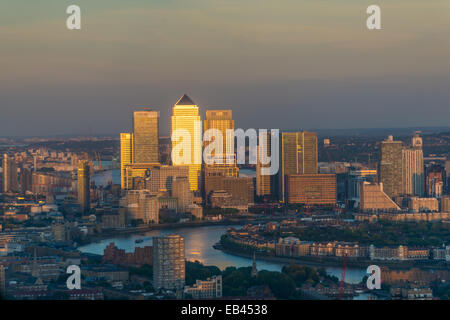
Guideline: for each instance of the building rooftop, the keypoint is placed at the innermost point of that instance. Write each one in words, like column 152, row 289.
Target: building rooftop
column 185, row 101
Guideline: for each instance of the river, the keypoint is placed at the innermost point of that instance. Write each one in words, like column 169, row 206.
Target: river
column 199, row 242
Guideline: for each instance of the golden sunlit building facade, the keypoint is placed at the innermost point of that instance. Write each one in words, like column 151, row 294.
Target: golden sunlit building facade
column 186, row 118
column 146, row 136
column 136, row 170
column 298, row 156
column 264, row 183
column 221, row 120
column 84, row 192
column 313, row 189
column 126, row 155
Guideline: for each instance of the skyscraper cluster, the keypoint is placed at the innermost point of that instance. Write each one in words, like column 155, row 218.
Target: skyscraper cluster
column 218, row 179
column 401, row 167
column 139, row 150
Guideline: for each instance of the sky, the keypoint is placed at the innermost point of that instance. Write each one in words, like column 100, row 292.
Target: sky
column 287, row 64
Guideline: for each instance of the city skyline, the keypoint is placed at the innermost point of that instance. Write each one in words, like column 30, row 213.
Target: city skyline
column 208, row 157
column 314, row 61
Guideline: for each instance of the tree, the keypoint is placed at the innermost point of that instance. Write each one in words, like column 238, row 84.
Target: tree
column 197, row 271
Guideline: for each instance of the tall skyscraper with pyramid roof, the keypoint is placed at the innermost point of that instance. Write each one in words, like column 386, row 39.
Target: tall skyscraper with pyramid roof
column 186, row 121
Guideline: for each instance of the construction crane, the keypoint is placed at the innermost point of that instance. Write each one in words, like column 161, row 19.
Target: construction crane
column 341, row 285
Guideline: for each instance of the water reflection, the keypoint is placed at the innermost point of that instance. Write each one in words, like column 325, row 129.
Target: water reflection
column 199, row 243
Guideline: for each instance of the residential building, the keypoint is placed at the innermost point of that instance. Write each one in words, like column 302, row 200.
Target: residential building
column 391, row 165
column 413, row 172
column 112, row 254
column 211, row 288
column 169, row 262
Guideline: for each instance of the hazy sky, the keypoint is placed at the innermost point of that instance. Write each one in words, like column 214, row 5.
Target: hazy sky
column 278, row 64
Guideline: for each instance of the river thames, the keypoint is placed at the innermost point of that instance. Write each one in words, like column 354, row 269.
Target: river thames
column 199, row 242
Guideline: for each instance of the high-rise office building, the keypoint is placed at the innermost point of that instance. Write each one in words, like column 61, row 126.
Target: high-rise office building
column 146, row 136
column 315, row 189
column 137, row 171
column 160, row 178
column 221, row 120
column 10, row 177
column 264, row 182
column 84, row 186
column 126, row 156
column 299, row 155
column 211, row 172
column 401, row 167
column 391, row 166
column 141, row 205
column 169, row 262
column 413, row 172
column 352, row 183
column 447, row 176
column 181, row 191
column 240, row 191
column 186, row 118
column 148, row 207
column 25, row 180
